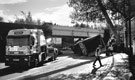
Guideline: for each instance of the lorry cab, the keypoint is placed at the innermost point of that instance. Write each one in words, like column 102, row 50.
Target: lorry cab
column 24, row 42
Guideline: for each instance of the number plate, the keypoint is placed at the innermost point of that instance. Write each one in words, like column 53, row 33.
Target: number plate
column 15, row 59
column 16, row 52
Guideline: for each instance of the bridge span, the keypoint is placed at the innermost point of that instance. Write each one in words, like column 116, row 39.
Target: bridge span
column 61, row 31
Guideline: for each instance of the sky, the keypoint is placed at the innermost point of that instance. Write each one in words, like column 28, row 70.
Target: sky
column 55, row 11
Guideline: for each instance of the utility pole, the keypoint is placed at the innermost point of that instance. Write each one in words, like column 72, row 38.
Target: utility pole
column 125, row 29
column 130, row 37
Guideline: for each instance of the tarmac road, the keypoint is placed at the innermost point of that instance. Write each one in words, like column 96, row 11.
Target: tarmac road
column 67, row 63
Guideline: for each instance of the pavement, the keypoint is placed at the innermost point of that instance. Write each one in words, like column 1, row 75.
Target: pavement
column 114, row 68
column 119, row 68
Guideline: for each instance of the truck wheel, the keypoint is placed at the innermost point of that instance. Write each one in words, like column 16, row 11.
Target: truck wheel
column 42, row 60
column 36, row 62
column 53, row 57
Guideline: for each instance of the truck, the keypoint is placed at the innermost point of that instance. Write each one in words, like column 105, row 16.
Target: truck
column 88, row 46
column 28, row 47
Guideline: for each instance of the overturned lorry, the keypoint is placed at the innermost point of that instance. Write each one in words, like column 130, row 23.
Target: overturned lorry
column 88, row 46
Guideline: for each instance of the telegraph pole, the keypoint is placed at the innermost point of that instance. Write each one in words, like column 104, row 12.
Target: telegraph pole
column 130, row 37
column 126, row 28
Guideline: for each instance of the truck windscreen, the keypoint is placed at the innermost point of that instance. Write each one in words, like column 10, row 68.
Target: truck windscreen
column 17, row 40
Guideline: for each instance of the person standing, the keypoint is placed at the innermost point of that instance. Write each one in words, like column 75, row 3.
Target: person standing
column 97, row 54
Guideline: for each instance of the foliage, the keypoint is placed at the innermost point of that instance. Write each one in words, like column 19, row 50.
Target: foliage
column 89, row 10
column 27, row 19
column 1, row 19
column 122, row 7
column 85, row 10
column 47, row 29
column 81, row 25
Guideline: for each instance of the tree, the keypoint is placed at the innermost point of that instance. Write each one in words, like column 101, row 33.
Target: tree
column 47, row 28
column 77, row 25
column 1, row 19
column 27, row 19
column 38, row 22
column 93, row 10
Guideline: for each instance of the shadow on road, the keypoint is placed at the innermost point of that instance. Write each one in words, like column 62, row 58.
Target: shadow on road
column 11, row 70
column 94, row 70
column 16, row 69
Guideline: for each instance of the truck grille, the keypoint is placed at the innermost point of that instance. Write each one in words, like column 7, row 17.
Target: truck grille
column 16, row 53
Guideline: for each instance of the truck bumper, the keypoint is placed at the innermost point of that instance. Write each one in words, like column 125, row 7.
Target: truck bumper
column 17, row 60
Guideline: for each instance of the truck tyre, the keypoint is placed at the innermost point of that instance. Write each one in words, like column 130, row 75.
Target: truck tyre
column 42, row 59
column 32, row 65
column 36, row 62
column 53, row 57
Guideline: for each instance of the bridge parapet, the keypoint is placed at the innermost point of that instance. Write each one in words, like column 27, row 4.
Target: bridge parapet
column 74, row 32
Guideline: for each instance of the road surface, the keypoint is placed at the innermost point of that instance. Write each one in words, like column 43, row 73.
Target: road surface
column 67, row 63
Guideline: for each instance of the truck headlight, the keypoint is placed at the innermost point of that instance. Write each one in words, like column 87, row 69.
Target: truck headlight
column 7, row 50
column 25, row 59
